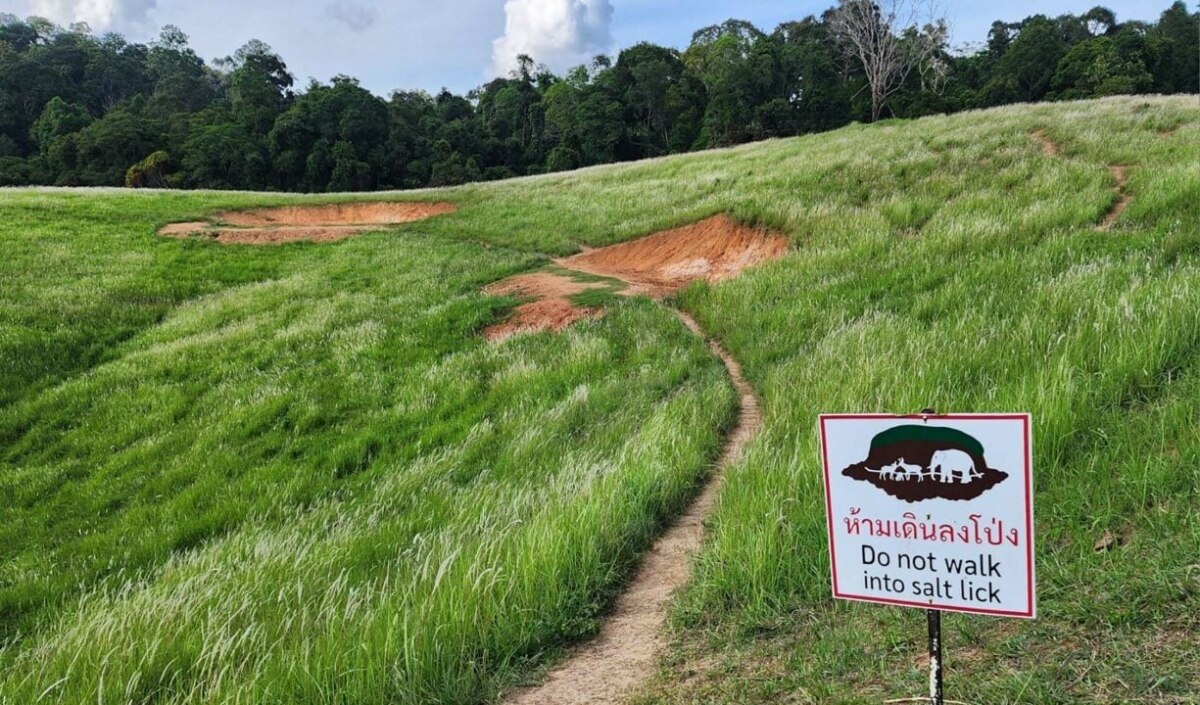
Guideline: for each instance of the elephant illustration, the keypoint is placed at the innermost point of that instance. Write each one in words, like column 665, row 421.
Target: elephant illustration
column 909, row 471
column 952, row 465
column 889, row 472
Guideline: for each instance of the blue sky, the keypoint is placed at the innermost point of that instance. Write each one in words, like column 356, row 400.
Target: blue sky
column 453, row 43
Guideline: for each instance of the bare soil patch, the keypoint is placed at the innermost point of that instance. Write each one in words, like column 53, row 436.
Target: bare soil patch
column 541, row 285
column 537, row 316
column 182, row 230
column 714, row 249
column 280, row 236
column 327, row 223
column 551, row 309
column 1049, row 148
column 621, row 658
column 1120, row 175
column 336, row 214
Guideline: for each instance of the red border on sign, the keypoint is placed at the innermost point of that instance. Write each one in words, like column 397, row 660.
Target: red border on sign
column 1026, row 423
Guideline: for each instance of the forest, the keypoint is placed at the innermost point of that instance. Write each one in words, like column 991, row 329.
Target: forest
column 77, row 109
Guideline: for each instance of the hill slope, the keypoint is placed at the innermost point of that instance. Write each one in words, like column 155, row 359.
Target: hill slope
column 299, row 474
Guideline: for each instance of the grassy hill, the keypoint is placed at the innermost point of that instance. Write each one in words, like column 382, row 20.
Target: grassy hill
column 299, row 475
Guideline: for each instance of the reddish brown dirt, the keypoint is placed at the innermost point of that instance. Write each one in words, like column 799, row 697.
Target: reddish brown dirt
column 182, row 230
column 336, row 214
column 541, row 285
column 621, row 658
column 1120, row 176
column 537, row 316
column 330, row 223
column 1049, row 148
column 551, row 308
column 280, row 236
column 714, row 249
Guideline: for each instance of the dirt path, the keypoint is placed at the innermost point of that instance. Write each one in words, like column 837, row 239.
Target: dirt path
column 1119, row 173
column 1120, row 176
column 1049, row 148
column 621, row 658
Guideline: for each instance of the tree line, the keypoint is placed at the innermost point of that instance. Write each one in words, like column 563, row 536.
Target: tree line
column 81, row 109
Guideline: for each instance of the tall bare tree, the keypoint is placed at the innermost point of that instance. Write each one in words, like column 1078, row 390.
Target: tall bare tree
column 887, row 38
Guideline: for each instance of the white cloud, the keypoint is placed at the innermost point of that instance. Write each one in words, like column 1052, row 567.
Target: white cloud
column 558, row 33
column 98, row 14
column 358, row 17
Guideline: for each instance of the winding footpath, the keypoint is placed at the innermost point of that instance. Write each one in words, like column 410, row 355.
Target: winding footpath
column 1120, row 178
column 621, row 658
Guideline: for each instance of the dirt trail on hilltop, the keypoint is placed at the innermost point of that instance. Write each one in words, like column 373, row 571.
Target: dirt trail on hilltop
column 621, row 658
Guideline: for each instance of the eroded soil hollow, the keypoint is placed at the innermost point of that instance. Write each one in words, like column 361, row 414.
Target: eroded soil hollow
column 550, row 309
column 713, row 250
column 323, row 223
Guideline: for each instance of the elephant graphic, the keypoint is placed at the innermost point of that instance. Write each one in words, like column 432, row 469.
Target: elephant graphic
column 953, row 466
column 950, row 464
column 909, row 471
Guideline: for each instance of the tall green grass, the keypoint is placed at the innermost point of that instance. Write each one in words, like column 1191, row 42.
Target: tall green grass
column 297, row 475
column 1003, row 297
column 324, row 486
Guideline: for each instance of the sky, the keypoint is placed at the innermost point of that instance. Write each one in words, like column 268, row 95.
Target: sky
column 460, row 44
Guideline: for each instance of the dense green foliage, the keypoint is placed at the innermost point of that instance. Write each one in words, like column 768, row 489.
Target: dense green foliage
column 298, row 475
column 76, row 109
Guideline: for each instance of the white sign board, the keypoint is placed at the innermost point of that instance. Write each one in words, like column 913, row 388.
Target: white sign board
column 933, row 512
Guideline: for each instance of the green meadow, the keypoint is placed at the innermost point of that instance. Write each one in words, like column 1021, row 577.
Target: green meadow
column 298, row 474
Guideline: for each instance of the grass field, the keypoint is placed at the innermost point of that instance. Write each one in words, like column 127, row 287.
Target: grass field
column 298, row 475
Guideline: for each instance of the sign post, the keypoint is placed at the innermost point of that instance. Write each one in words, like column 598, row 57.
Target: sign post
column 936, row 695
column 933, row 512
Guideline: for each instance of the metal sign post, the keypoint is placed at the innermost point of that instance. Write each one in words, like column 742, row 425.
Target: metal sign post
column 934, row 617
column 936, row 696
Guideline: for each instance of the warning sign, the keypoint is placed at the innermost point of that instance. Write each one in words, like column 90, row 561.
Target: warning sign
column 933, row 512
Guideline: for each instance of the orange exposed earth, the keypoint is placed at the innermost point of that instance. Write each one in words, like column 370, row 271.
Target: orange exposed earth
column 712, row 250
column 327, row 223
column 550, row 309
column 337, row 214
